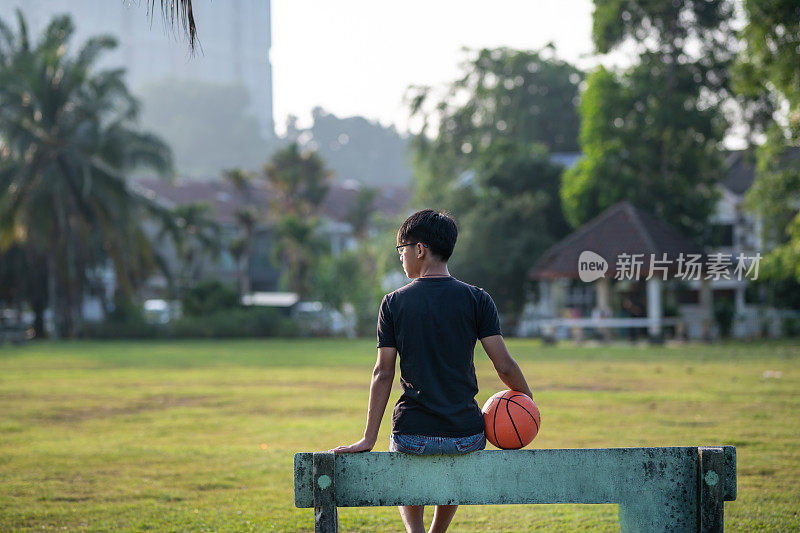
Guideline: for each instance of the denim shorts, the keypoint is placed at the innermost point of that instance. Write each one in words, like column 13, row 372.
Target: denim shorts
column 424, row 445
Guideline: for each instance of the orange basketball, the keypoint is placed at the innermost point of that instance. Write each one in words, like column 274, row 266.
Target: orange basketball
column 511, row 419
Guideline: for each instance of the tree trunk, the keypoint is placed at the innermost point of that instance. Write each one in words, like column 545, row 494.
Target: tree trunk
column 248, row 237
column 38, row 320
column 51, row 294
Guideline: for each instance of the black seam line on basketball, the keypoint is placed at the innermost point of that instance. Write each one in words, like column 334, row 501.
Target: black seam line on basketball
column 523, row 408
column 515, row 395
column 499, row 401
column 508, row 410
column 494, row 423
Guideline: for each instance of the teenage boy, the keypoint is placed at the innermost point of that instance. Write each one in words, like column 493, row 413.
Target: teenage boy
column 433, row 323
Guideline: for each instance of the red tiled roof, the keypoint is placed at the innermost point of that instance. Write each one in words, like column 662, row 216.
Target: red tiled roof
column 390, row 201
column 622, row 228
column 225, row 199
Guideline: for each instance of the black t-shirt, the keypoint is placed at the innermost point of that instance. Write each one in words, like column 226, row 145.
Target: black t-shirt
column 434, row 323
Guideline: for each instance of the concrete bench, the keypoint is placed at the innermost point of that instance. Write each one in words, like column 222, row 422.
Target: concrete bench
column 657, row 489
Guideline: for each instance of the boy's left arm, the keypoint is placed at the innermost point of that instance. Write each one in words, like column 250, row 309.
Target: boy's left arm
column 379, row 390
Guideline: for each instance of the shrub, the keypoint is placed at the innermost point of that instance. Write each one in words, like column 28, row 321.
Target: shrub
column 241, row 322
column 238, row 322
column 209, row 297
column 113, row 329
column 724, row 311
column 790, row 326
column 125, row 321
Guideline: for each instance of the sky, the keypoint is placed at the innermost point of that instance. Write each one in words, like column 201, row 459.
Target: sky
column 358, row 57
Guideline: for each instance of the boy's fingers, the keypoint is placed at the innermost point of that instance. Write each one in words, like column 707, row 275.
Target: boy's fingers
column 347, row 449
column 341, row 449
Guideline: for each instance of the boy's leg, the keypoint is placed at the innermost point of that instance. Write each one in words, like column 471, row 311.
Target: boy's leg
column 412, row 518
column 442, row 517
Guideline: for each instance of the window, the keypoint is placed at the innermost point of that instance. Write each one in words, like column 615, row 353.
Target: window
column 722, row 235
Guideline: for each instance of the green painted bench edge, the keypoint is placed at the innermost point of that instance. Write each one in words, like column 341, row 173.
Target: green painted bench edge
column 303, row 468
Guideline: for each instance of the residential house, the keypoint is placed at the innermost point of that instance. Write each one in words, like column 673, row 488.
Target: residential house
column 736, row 233
column 225, row 201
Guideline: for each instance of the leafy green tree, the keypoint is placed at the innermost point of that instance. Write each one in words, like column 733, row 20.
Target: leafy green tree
column 766, row 70
column 360, row 213
column 515, row 190
column 651, row 134
column 208, row 297
column 194, row 235
column 300, row 182
column 298, row 248
column 247, row 218
column 482, row 155
column 299, row 179
column 768, row 77
column 23, row 279
column 356, row 148
column 522, row 96
column 67, row 141
column 352, row 279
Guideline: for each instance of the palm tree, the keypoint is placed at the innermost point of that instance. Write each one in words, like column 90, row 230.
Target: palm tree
column 66, row 142
column 23, row 280
column 193, row 234
column 360, row 213
column 247, row 218
column 298, row 246
column 299, row 181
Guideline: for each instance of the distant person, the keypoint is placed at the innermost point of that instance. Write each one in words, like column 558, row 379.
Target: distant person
column 433, row 323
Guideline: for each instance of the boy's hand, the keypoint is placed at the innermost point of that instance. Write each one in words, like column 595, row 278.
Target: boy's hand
column 361, row 446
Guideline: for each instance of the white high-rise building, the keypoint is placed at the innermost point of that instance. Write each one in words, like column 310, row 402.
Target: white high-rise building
column 234, row 42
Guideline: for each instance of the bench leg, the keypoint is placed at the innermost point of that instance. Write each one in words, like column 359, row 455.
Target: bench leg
column 657, row 511
column 710, row 479
column 326, row 518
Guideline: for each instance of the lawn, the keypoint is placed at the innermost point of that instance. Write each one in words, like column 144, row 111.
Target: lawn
column 199, row 436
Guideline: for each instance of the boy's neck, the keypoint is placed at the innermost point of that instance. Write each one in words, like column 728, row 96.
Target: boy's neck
column 435, row 270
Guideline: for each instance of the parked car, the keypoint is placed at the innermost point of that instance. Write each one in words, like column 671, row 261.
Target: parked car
column 316, row 319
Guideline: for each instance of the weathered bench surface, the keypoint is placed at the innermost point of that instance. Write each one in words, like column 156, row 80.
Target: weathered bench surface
column 658, row 489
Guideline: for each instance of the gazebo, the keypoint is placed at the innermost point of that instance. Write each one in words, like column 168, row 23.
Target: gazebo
column 634, row 245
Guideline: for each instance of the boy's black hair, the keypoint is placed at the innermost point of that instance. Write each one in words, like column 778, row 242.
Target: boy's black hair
column 437, row 229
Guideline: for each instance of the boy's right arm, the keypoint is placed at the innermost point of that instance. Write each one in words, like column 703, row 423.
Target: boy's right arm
column 507, row 369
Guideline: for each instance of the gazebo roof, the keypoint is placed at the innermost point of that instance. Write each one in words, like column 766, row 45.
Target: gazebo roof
column 622, row 228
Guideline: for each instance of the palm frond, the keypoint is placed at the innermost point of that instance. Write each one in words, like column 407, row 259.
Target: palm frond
column 92, row 48
column 182, row 11
column 69, row 142
column 131, row 149
column 7, row 42
column 56, row 36
column 24, row 42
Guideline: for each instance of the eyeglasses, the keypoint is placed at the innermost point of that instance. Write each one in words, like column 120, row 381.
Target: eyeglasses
column 401, row 246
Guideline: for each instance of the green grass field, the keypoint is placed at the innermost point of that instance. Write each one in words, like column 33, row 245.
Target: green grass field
column 199, row 436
